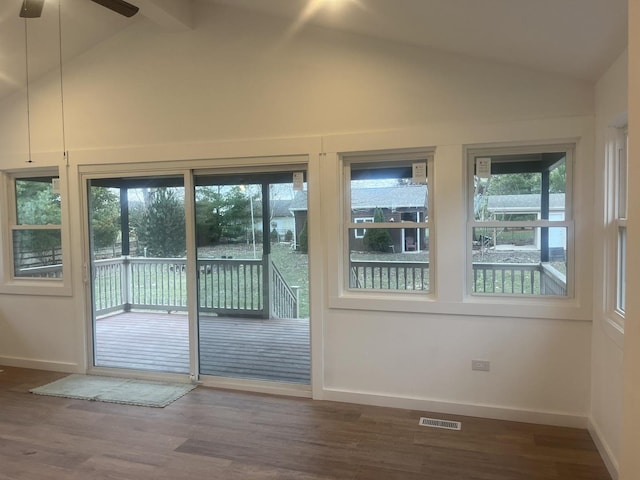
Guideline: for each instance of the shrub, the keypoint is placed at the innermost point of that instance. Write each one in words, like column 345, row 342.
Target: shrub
column 377, row 239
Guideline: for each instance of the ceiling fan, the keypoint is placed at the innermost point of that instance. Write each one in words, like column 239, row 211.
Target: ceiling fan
column 33, row 8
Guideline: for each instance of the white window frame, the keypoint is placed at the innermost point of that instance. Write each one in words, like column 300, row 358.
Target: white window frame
column 567, row 223
column 386, row 158
column 9, row 282
column 618, row 224
column 362, row 230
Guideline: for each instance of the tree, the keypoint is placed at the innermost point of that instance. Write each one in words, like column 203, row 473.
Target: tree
column 515, row 184
column 37, row 204
column 105, row 217
column 208, row 225
column 377, row 239
column 162, row 229
column 273, row 235
column 558, row 178
column 222, row 214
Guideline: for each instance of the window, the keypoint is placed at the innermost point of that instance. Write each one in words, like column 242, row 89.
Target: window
column 360, row 232
column 520, row 221
column 388, row 192
column 33, row 240
column 620, row 221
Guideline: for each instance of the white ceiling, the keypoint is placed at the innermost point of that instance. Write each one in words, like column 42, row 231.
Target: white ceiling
column 579, row 38
column 84, row 24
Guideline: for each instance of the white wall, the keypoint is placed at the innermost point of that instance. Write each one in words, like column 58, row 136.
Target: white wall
column 606, row 391
column 145, row 95
column 232, row 78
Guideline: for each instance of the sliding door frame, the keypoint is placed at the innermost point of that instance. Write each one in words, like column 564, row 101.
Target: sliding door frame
column 116, row 171
column 187, row 169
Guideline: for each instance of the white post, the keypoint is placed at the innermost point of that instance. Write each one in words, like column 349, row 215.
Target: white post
column 296, row 292
column 126, row 288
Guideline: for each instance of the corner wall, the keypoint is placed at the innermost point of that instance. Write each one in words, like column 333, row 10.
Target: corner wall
column 608, row 338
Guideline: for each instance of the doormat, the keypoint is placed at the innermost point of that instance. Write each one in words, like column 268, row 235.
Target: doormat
column 115, row 390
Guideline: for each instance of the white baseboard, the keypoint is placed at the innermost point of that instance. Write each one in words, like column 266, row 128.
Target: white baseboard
column 606, row 453
column 467, row 409
column 40, row 364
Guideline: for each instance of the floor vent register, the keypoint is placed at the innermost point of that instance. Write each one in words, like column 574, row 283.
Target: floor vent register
column 436, row 423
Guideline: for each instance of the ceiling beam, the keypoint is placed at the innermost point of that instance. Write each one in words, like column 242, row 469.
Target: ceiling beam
column 172, row 15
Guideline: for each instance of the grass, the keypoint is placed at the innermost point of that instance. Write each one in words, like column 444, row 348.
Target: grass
column 293, row 265
column 161, row 284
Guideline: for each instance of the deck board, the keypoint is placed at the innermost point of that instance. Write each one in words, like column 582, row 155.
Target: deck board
column 273, row 350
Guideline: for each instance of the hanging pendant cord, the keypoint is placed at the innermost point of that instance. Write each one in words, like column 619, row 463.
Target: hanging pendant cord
column 26, row 61
column 64, row 137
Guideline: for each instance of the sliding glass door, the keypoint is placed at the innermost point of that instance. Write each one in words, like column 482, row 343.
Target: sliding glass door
column 138, row 273
column 253, row 279
column 230, row 303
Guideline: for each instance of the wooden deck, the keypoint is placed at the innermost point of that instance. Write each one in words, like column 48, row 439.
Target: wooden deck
column 272, row 350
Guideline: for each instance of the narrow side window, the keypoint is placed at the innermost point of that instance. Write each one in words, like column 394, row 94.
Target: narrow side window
column 33, row 240
column 36, row 232
column 620, row 221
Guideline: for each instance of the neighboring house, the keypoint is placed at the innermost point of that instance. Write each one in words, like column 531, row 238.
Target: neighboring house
column 528, row 205
column 281, row 217
column 500, row 205
column 399, row 203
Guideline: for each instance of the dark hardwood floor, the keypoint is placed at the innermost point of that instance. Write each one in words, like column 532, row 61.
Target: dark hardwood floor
column 217, row 434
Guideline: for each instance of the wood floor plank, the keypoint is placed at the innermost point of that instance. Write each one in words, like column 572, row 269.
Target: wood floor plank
column 231, row 435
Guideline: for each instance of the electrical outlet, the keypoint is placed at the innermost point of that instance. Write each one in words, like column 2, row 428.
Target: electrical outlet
column 481, row 365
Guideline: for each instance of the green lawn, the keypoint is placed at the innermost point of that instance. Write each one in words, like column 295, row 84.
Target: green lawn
column 293, row 266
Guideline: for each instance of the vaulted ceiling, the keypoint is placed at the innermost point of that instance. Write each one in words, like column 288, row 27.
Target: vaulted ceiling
column 577, row 38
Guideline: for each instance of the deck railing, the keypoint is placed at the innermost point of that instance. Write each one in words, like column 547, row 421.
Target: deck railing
column 518, row 278
column 231, row 286
column 154, row 283
column 510, row 278
column 226, row 286
column 553, row 282
column 285, row 302
column 389, row 275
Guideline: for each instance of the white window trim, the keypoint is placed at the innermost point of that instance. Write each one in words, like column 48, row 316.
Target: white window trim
column 9, row 283
column 568, row 223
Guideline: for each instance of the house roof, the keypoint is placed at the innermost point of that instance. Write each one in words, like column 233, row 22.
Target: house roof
column 299, row 201
column 279, row 208
column 523, row 203
column 396, row 196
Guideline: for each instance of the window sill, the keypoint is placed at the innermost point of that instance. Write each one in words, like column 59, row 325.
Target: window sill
column 36, row 288
column 543, row 308
column 613, row 326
